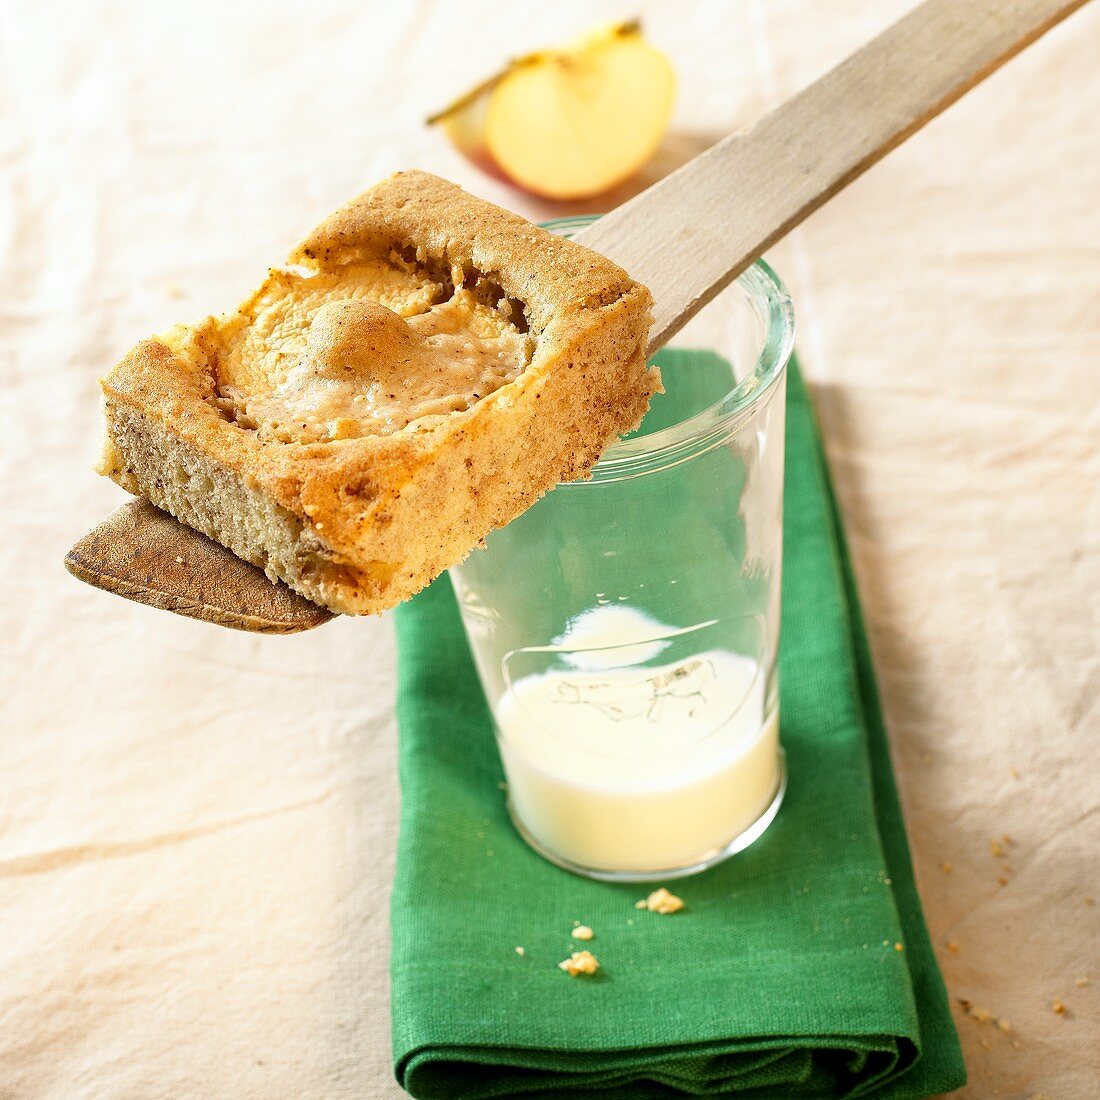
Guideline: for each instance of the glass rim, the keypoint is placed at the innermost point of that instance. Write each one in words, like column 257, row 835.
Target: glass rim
column 702, row 430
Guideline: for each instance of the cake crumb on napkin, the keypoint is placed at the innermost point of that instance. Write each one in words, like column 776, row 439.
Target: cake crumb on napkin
column 661, row 901
column 580, row 962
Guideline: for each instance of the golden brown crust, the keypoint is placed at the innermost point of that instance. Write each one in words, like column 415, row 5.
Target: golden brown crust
column 557, row 279
column 360, row 524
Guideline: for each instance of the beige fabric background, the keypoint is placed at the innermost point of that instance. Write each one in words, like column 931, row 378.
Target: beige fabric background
column 197, row 827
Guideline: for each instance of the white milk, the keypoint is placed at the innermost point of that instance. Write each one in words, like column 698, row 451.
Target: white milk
column 638, row 769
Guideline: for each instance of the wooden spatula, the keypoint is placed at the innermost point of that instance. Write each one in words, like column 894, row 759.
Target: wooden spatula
column 147, row 555
column 686, row 238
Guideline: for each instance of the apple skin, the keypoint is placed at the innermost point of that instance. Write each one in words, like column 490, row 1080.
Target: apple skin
column 466, row 122
column 464, row 125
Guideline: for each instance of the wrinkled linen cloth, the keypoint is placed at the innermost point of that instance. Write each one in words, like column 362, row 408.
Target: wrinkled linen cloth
column 198, row 827
column 775, row 980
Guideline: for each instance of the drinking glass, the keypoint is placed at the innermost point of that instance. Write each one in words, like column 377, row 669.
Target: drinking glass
column 625, row 628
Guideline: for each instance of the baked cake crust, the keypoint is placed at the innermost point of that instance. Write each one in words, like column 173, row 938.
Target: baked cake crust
column 359, row 524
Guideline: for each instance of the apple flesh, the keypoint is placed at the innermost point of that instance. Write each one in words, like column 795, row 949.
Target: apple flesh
column 568, row 124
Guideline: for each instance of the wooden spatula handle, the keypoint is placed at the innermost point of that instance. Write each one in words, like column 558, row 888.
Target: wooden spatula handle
column 691, row 234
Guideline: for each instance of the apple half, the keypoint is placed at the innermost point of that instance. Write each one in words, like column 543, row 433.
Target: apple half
column 569, row 123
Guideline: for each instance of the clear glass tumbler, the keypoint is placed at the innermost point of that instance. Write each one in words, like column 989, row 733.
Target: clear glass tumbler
column 625, row 628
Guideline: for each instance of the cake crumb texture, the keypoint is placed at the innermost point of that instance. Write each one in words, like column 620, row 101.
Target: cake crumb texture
column 424, row 370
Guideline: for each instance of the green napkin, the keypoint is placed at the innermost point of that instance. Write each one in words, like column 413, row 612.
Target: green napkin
column 800, row 967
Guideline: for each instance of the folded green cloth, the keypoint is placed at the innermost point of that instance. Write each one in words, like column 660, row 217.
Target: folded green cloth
column 800, row 967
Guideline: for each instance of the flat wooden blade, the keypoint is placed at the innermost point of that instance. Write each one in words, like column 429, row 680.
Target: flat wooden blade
column 146, row 555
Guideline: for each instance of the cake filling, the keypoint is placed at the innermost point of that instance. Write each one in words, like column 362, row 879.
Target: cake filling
column 370, row 351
